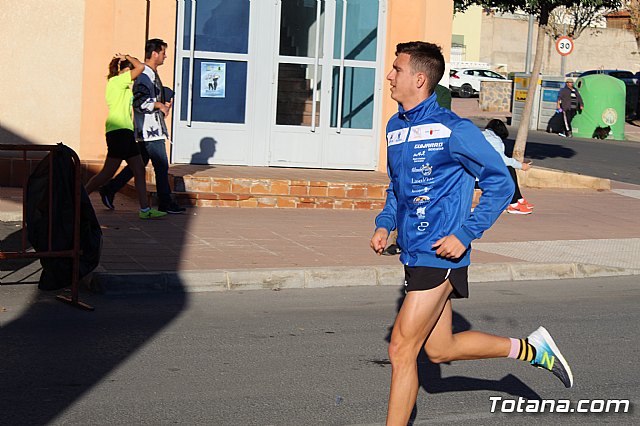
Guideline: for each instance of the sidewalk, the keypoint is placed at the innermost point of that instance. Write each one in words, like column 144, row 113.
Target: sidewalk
column 469, row 108
column 572, row 233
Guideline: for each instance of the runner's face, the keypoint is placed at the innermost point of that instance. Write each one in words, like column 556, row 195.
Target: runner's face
column 402, row 80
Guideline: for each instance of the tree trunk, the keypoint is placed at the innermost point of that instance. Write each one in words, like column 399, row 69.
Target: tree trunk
column 523, row 129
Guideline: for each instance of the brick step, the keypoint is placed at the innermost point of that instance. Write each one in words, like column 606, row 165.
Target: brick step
column 217, row 199
column 216, row 191
column 293, row 106
column 274, row 193
column 280, row 187
column 212, row 199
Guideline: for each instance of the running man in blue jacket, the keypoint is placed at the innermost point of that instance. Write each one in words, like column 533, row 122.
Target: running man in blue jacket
column 434, row 157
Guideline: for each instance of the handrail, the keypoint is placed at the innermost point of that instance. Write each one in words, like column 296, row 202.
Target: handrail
column 73, row 253
column 192, row 47
column 316, row 64
column 343, row 37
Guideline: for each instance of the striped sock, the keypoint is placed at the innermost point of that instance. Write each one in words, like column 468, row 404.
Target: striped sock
column 521, row 349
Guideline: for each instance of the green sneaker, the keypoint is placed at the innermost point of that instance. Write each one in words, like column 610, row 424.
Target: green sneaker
column 151, row 214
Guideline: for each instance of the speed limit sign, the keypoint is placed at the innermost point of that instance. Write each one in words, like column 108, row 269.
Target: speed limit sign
column 564, row 45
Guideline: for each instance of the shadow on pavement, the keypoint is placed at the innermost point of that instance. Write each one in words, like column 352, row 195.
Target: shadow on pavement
column 16, row 271
column 540, row 151
column 431, row 379
column 52, row 354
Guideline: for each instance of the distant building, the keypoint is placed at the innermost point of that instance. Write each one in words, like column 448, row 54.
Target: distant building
column 620, row 19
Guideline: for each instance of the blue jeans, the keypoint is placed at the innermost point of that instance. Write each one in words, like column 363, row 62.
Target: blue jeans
column 156, row 152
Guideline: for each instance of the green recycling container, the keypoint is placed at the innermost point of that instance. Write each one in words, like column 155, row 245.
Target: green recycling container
column 604, row 105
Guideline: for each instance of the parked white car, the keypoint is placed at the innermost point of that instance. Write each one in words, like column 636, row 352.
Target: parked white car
column 466, row 82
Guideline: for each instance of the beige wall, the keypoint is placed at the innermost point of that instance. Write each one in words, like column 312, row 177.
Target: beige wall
column 54, row 66
column 118, row 26
column 412, row 20
column 41, row 65
column 469, row 24
column 504, row 41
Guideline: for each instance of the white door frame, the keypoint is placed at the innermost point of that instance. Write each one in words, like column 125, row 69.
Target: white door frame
column 324, row 146
column 233, row 140
column 254, row 142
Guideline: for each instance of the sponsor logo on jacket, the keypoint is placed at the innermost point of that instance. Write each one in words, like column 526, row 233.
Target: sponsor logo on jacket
column 424, row 189
column 421, row 180
column 397, row 136
column 429, row 131
column 420, row 156
column 422, row 226
column 425, row 170
column 421, row 212
column 431, row 146
column 421, row 199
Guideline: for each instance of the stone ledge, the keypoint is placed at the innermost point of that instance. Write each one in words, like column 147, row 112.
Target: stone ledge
column 540, row 177
column 320, row 277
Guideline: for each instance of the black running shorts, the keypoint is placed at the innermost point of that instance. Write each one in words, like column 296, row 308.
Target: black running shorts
column 122, row 144
column 418, row 278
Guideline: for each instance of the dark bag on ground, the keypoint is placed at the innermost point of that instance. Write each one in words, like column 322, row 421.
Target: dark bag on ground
column 556, row 123
column 56, row 272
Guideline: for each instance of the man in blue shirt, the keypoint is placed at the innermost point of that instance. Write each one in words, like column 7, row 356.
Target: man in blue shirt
column 433, row 159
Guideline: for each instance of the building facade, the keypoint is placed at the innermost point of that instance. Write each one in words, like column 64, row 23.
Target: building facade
column 288, row 83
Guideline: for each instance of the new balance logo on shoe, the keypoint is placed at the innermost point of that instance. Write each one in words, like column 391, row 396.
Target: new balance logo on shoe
column 547, row 361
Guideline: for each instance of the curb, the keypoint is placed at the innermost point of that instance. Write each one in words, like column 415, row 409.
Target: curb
column 11, row 216
column 278, row 279
column 541, row 177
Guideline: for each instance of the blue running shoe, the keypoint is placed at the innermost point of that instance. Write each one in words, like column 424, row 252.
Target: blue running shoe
column 548, row 356
column 107, row 198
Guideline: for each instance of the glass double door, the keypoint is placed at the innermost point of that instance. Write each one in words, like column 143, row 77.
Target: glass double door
column 325, row 91
column 292, row 83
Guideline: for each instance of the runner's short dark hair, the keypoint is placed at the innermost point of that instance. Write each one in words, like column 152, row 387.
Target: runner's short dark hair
column 153, row 45
column 424, row 57
column 498, row 127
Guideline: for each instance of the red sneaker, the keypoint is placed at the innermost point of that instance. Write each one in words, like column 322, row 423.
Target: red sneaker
column 519, row 209
column 526, row 203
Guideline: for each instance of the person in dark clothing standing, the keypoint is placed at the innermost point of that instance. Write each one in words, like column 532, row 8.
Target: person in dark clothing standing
column 569, row 104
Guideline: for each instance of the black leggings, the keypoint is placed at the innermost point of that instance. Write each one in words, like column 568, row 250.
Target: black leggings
column 568, row 118
column 516, row 195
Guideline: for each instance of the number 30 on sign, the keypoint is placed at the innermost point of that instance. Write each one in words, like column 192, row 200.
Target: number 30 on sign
column 564, row 45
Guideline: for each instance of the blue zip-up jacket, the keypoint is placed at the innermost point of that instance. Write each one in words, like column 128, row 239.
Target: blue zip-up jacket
column 433, row 158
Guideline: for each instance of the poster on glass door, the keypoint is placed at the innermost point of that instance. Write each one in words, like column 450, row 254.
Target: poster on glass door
column 212, row 79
